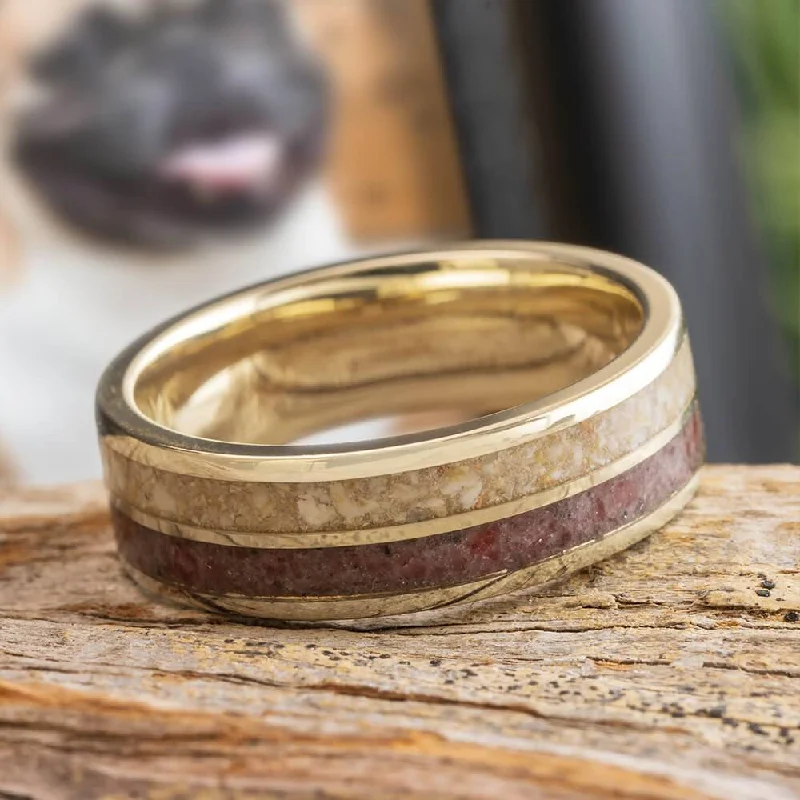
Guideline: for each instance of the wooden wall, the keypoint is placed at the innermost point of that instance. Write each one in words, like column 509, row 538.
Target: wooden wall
column 394, row 165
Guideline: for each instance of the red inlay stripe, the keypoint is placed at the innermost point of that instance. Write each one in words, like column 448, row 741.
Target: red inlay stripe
column 435, row 561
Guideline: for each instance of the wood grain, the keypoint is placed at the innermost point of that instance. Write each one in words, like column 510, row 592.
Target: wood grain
column 660, row 674
column 394, row 167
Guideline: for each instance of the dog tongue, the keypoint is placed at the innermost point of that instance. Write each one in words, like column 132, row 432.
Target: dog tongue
column 246, row 162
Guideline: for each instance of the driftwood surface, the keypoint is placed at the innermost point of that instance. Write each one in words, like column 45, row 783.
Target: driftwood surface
column 666, row 672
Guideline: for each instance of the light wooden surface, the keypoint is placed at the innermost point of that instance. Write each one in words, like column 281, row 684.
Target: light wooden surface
column 660, row 674
column 394, row 167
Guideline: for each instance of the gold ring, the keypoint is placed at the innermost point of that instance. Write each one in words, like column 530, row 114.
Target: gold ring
column 583, row 435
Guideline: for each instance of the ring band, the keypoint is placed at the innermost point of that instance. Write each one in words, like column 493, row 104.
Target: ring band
column 584, row 435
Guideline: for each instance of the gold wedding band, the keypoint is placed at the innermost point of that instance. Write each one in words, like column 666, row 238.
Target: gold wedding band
column 584, row 436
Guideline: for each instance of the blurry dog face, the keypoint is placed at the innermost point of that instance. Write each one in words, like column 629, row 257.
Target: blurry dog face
column 170, row 123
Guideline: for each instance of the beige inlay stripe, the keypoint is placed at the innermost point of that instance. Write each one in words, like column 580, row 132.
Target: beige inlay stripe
column 488, row 486
column 414, row 530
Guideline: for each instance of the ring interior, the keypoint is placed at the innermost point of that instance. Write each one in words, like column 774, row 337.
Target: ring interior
column 469, row 334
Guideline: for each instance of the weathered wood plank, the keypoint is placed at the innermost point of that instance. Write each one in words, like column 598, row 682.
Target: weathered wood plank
column 660, row 674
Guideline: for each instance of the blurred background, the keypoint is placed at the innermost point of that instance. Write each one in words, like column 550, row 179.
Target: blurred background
column 667, row 130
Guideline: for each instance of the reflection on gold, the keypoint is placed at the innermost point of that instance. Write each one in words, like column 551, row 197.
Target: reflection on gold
column 442, row 337
column 530, row 337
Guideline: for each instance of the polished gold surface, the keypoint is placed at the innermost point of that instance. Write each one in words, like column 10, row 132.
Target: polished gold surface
column 389, row 345
column 571, row 365
column 362, row 606
column 528, row 337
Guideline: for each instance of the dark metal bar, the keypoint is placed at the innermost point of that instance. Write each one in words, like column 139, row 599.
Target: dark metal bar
column 636, row 125
column 490, row 110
